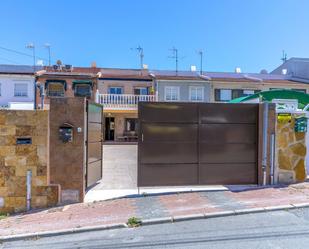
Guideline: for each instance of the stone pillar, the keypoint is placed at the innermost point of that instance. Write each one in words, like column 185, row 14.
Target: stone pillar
column 290, row 152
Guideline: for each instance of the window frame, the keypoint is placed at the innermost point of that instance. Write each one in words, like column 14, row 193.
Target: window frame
column 177, row 93
column 191, row 90
column 139, row 88
column 20, row 95
column 220, row 89
column 135, row 124
column 118, row 87
column 82, row 95
column 56, row 83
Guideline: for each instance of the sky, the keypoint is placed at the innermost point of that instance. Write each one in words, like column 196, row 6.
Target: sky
column 232, row 33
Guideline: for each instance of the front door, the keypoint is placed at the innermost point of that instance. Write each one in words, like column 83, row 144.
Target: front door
column 109, row 129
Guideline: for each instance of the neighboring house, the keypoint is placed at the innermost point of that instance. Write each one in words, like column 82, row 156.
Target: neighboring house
column 183, row 86
column 228, row 86
column 66, row 81
column 17, row 86
column 120, row 91
column 295, row 68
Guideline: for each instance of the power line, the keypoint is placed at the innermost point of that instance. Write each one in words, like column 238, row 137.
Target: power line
column 21, row 53
column 5, row 59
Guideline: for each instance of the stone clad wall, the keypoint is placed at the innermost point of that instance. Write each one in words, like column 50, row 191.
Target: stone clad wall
column 291, row 152
column 15, row 160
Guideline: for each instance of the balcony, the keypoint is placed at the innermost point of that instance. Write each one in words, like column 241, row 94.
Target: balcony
column 123, row 101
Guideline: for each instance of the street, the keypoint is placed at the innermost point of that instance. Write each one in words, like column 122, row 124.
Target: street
column 278, row 229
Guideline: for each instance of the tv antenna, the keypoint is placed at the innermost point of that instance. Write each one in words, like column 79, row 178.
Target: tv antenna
column 140, row 52
column 284, row 56
column 201, row 54
column 175, row 56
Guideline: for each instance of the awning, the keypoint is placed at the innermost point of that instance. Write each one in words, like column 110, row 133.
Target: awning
column 63, row 82
column 81, row 82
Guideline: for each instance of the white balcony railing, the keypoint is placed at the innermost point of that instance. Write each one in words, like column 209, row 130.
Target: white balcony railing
column 123, row 101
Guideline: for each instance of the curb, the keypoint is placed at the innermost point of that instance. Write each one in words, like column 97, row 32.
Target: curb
column 154, row 221
column 61, row 232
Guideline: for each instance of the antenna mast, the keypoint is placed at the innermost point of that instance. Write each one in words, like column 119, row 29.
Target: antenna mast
column 175, row 56
column 140, row 51
column 201, row 53
column 284, row 56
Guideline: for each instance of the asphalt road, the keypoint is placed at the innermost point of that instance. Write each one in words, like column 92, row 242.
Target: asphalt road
column 280, row 229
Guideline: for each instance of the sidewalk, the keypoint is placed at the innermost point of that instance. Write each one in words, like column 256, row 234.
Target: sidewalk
column 153, row 207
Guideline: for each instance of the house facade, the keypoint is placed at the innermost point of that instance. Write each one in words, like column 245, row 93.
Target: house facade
column 228, row 86
column 120, row 90
column 183, row 86
column 65, row 81
column 295, row 68
column 17, row 87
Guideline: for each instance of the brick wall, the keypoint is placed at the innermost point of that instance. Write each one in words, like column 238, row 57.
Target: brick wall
column 16, row 160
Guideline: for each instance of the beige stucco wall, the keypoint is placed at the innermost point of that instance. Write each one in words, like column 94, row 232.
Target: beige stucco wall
column 120, row 121
column 290, row 152
column 250, row 85
column 16, row 160
column 127, row 85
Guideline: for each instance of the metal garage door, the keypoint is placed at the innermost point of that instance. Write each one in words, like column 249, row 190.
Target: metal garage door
column 94, row 143
column 197, row 143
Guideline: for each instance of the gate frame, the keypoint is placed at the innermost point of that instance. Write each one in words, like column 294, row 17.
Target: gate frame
column 259, row 140
column 87, row 140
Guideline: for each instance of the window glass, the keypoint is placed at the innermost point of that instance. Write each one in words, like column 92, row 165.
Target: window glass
column 196, row 93
column 141, row 91
column 82, row 90
column 55, row 90
column 131, row 124
column 115, row 90
column 237, row 93
column 171, row 93
column 225, row 94
column 21, row 90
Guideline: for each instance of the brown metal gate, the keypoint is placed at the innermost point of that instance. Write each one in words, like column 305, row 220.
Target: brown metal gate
column 197, row 143
column 94, row 143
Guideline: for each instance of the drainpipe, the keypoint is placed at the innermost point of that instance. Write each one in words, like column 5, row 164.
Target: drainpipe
column 42, row 93
column 34, row 101
column 97, row 94
column 29, row 176
column 265, row 129
column 272, row 158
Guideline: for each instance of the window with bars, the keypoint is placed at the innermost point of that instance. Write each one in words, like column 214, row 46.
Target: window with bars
column 82, row 90
column 21, row 90
column 55, row 90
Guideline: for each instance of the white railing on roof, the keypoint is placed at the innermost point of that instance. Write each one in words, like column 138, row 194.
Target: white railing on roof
column 123, row 101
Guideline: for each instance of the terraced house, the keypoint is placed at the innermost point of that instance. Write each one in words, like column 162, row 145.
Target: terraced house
column 228, row 86
column 65, row 81
column 120, row 91
column 17, row 86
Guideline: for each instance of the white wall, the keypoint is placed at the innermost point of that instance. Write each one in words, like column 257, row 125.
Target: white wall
column 7, row 83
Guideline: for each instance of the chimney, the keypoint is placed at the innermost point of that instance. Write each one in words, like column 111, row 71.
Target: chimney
column 193, row 68
column 237, row 70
